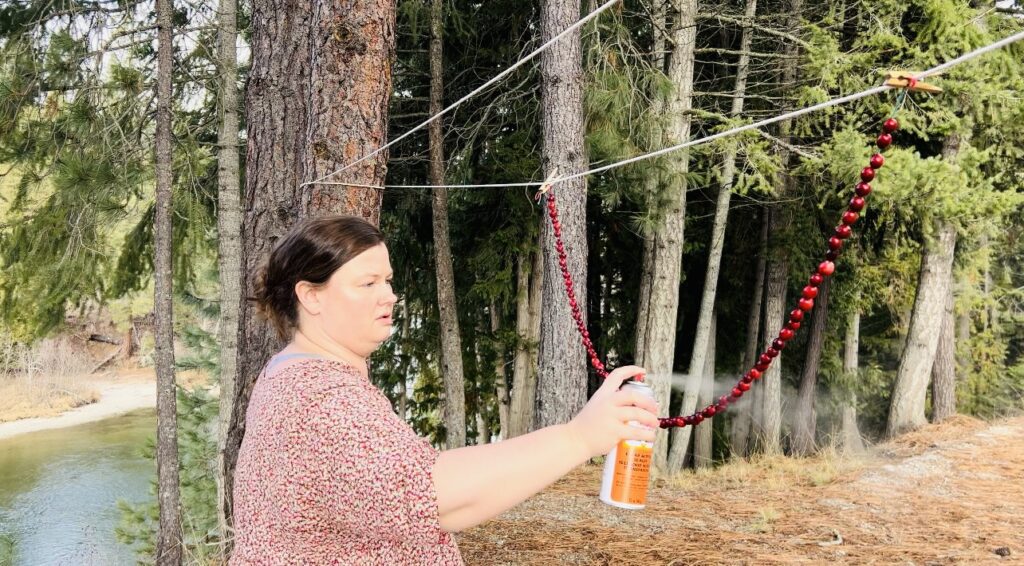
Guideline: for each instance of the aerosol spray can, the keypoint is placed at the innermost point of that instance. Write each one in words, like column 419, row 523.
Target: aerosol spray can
column 627, row 467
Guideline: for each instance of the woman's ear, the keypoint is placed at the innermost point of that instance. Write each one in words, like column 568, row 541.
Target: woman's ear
column 309, row 298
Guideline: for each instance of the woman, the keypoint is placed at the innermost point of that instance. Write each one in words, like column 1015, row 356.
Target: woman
column 328, row 473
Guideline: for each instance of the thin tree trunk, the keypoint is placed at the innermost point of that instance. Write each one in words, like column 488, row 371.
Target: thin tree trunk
column 500, row 376
column 652, row 182
column 779, row 260
column 403, row 388
column 852, row 442
column 680, row 437
column 529, row 283
column 663, row 254
column 169, row 535
column 906, row 409
column 702, row 448
column 805, row 416
column 562, row 375
column 451, row 343
column 771, row 381
column 229, row 242
column 316, row 100
column 944, row 367
column 743, row 418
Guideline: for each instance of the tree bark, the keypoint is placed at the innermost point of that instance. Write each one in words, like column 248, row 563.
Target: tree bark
column 529, row 284
column 743, row 419
column 771, row 380
column 701, row 350
column 779, row 261
column 805, row 416
column 562, row 375
column 403, row 389
column 906, row 408
column 500, row 375
column 663, row 253
column 451, row 343
column 317, row 99
column 169, row 533
column 852, row 442
column 703, row 436
column 944, row 367
column 229, row 241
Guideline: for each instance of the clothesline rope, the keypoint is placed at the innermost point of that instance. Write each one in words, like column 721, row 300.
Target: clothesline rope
column 688, row 144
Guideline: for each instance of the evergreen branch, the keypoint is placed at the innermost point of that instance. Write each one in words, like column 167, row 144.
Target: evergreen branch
column 788, row 146
column 744, row 22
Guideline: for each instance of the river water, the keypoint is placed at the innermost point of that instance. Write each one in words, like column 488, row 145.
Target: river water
column 59, row 491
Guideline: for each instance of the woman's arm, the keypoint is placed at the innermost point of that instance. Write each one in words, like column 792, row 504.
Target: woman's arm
column 477, row 483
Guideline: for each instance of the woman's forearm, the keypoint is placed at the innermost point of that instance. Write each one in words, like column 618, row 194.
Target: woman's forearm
column 477, row 483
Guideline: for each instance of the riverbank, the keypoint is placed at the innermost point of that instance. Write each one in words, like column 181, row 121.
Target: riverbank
column 116, row 396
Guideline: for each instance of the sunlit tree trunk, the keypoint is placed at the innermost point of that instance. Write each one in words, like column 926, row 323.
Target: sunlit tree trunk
column 169, row 532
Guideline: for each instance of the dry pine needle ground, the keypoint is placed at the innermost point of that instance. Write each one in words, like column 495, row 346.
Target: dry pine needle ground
column 946, row 494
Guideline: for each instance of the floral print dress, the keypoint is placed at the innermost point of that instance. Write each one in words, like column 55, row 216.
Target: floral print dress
column 329, row 474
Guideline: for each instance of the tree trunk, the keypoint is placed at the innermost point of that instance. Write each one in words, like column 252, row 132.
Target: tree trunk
column 562, row 376
column 779, row 260
column 805, row 417
column 663, row 254
column 743, row 418
column 451, row 343
column 906, row 409
column 851, row 438
column 771, row 381
column 702, row 448
column 403, row 388
column 317, row 99
column 169, row 535
column 680, row 438
column 500, row 377
column 529, row 284
column 944, row 367
column 229, row 240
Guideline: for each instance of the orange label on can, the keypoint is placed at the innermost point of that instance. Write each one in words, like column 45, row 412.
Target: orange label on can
column 632, row 469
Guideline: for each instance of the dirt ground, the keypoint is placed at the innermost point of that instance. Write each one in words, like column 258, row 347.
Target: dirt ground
column 946, row 494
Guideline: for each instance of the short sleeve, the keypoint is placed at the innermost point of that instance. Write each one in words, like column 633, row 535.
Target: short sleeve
column 358, row 466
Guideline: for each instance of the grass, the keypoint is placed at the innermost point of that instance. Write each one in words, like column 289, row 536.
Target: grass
column 42, row 380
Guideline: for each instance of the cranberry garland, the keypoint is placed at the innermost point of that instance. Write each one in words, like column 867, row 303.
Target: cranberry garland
column 842, row 232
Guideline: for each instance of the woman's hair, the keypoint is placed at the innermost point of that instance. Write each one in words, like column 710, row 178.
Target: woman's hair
column 312, row 251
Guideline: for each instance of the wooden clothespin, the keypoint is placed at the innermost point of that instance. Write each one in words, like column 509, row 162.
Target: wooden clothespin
column 547, row 184
column 908, row 80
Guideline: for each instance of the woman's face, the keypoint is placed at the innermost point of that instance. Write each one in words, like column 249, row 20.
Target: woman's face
column 356, row 302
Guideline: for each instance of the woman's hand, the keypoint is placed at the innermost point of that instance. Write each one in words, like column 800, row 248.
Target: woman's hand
column 603, row 421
